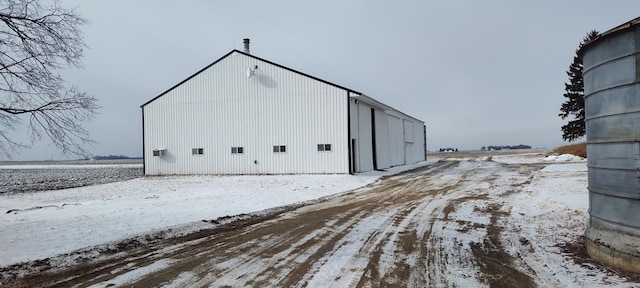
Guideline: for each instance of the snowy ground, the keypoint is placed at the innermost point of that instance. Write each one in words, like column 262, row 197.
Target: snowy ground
column 32, row 177
column 527, row 204
column 44, row 224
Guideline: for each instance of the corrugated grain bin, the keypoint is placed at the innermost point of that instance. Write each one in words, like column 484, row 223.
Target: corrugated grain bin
column 612, row 112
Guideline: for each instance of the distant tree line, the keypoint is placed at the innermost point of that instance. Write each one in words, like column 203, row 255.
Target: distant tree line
column 489, row 148
column 112, row 157
column 448, row 149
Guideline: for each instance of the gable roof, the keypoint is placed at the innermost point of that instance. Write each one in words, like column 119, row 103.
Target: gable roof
column 254, row 57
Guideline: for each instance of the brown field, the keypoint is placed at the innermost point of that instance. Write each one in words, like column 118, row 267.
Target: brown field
column 579, row 149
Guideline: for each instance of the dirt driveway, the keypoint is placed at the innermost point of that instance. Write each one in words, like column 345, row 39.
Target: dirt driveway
column 442, row 225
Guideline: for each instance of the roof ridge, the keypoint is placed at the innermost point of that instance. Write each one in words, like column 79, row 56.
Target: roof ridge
column 255, row 57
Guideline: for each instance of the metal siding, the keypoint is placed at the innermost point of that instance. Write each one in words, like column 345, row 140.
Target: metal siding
column 392, row 149
column 612, row 111
column 613, row 74
column 355, row 131
column 612, row 102
column 220, row 108
column 396, row 143
column 365, row 137
column 382, row 140
column 615, row 210
column 417, row 147
column 403, row 140
column 611, row 48
column 410, row 129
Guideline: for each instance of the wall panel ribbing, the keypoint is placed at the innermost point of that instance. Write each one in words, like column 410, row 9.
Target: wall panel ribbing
column 396, row 143
column 221, row 108
column 365, row 138
column 382, row 140
column 410, row 144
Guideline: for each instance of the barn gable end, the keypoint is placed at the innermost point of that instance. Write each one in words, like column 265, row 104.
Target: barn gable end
column 246, row 115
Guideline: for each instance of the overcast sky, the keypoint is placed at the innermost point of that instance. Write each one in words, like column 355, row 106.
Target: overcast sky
column 477, row 72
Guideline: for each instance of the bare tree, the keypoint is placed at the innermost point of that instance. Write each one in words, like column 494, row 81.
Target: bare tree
column 36, row 41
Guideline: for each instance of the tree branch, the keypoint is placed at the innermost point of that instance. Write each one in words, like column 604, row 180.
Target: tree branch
column 35, row 41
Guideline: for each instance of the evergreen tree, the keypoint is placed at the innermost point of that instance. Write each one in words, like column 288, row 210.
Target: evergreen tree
column 574, row 94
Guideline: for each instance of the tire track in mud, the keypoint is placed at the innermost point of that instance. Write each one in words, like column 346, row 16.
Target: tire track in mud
column 337, row 218
column 393, row 233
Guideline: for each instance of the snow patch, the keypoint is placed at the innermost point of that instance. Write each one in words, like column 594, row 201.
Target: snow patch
column 563, row 158
column 134, row 273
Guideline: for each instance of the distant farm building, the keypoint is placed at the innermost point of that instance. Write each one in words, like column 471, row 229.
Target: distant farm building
column 246, row 115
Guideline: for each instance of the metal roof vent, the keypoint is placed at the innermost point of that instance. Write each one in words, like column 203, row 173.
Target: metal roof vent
column 246, row 45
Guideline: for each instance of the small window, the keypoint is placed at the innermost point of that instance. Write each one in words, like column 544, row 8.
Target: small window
column 279, row 149
column 237, row 150
column 159, row 152
column 197, row 151
column 324, row 147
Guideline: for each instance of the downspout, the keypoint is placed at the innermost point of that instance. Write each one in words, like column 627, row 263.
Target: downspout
column 144, row 157
column 425, row 141
column 373, row 139
column 349, row 156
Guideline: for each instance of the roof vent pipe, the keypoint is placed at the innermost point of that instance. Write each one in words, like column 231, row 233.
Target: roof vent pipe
column 246, row 45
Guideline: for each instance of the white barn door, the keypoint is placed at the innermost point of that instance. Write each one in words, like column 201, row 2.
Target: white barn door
column 364, row 141
column 396, row 141
column 381, row 129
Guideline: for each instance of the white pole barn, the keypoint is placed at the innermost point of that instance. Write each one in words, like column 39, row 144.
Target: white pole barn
column 247, row 115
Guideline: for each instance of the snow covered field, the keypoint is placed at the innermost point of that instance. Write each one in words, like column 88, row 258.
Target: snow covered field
column 43, row 176
column 529, row 213
column 44, row 224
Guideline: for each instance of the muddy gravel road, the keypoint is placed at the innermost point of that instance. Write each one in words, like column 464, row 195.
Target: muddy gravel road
column 441, row 225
